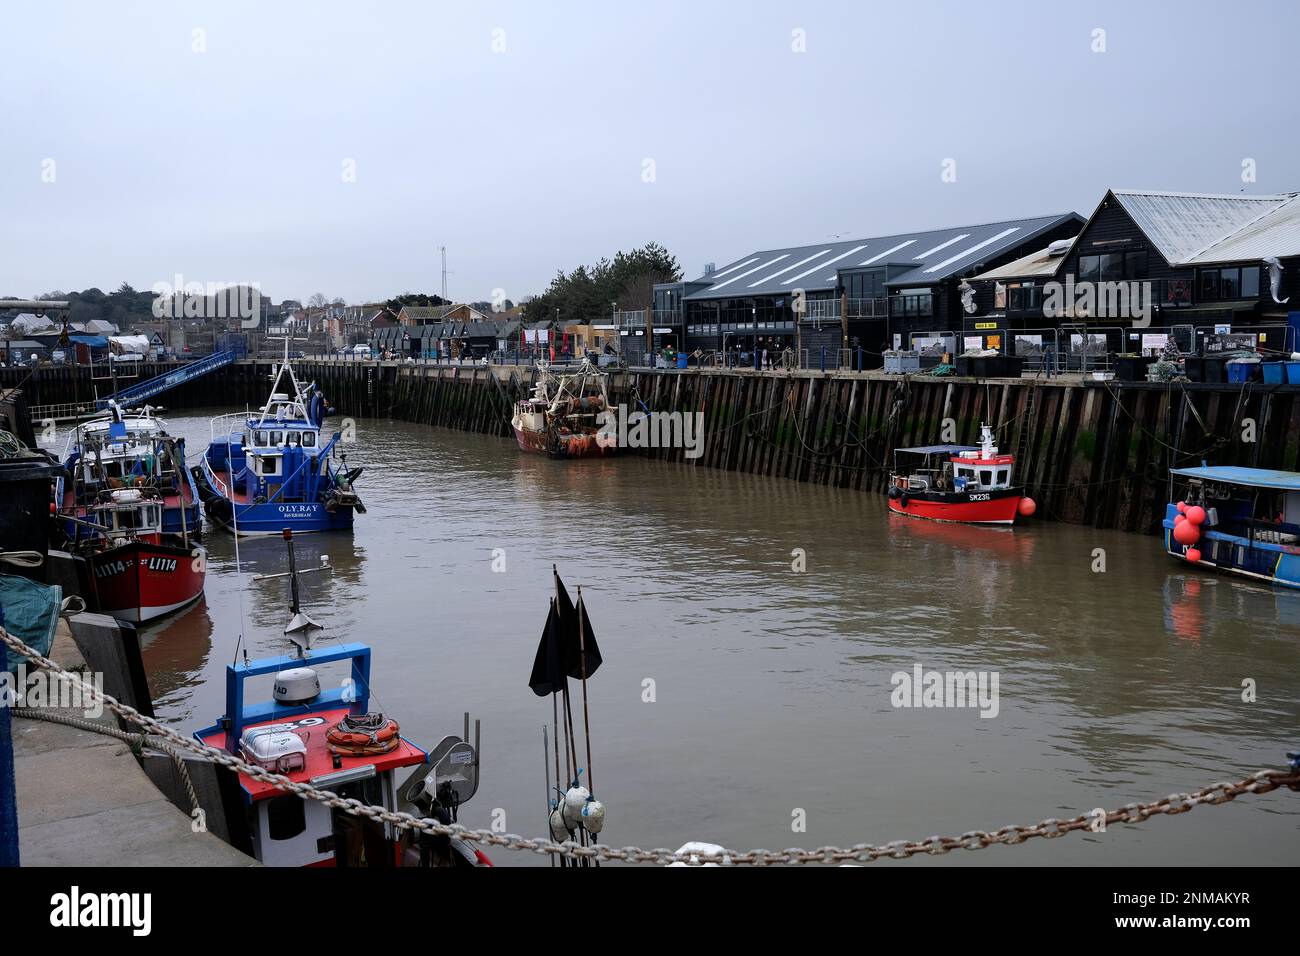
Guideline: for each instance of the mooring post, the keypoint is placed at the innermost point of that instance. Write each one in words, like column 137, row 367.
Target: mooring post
column 823, row 358
column 8, row 795
column 859, row 358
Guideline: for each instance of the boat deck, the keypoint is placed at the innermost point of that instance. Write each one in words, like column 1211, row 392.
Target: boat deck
column 312, row 727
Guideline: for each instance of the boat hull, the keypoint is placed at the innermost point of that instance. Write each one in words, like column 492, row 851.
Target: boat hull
column 989, row 507
column 140, row 581
column 266, row 518
column 1228, row 554
column 567, row 446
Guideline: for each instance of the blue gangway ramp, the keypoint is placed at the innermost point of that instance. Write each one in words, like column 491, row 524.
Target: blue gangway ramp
column 160, row 383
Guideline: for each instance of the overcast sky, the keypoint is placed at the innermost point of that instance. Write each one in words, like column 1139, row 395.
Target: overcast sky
column 518, row 134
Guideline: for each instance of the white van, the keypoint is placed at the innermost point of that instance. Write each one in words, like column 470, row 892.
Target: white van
column 361, row 351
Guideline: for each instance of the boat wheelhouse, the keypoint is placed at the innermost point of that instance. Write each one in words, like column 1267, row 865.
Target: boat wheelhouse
column 972, row 484
column 127, row 449
column 262, row 473
column 1243, row 521
column 137, row 572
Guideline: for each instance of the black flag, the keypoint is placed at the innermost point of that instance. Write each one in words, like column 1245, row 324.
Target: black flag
column 548, row 668
column 570, row 646
column 588, row 644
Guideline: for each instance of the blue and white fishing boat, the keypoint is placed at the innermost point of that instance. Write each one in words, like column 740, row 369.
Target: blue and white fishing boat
column 275, row 468
column 1243, row 521
column 121, row 448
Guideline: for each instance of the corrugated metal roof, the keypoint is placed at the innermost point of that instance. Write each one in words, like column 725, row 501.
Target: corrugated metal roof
column 1250, row 477
column 930, row 256
column 1036, row 264
column 1183, row 224
column 1276, row 233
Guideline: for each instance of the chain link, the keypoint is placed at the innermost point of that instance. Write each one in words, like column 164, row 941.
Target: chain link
column 1262, row 781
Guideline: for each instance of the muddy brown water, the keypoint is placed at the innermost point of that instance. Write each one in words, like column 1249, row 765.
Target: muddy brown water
column 740, row 697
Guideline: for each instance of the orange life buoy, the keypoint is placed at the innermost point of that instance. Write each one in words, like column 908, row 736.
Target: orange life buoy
column 363, row 734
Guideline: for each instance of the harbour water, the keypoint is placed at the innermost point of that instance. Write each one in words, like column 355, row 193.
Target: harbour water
column 739, row 695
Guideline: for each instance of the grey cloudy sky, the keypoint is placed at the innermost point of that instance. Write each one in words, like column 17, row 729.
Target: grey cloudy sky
column 228, row 164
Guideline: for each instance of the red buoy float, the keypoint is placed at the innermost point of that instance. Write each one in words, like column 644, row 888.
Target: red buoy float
column 1182, row 506
column 1186, row 533
column 1196, row 514
column 1027, row 506
column 1193, row 555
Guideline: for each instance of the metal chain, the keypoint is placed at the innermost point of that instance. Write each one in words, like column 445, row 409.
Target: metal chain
column 1262, row 781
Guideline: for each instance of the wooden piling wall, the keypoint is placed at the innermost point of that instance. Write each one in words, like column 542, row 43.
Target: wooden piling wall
column 1093, row 453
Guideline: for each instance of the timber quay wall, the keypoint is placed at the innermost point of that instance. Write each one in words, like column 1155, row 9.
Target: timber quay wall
column 1094, row 453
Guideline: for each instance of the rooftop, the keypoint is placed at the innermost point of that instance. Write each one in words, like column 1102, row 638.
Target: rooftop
column 1199, row 227
column 927, row 257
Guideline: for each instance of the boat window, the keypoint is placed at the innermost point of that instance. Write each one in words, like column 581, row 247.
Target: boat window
column 308, row 439
column 986, row 476
column 286, row 817
column 1002, row 476
column 261, row 437
column 277, row 437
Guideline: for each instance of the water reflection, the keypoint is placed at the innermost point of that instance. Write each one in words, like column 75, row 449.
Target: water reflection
column 772, row 685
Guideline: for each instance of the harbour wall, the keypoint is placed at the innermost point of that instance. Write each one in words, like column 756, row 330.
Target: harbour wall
column 1089, row 452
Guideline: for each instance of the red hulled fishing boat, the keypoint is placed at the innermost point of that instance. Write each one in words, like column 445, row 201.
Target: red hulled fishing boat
column 138, row 573
column 567, row 416
column 971, row 484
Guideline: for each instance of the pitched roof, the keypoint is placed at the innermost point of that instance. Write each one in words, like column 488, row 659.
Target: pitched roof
column 1038, row 263
column 1183, row 225
column 1276, row 233
column 928, row 256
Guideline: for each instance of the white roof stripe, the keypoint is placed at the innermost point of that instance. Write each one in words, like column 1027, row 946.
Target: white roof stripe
column 975, row 248
column 815, row 255
column 822, row 265
column 941, row 246
column 881, row 255
column 738, row 265
column 735, row 278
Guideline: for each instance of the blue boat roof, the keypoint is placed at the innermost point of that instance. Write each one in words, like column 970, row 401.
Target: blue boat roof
column 1250, row 477
column 939, row 449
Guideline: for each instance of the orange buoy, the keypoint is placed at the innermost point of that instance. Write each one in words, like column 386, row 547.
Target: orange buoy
column 1193, row 555
column 1027, row 506
column 1182, row 506
column 1185, row 532
column 1196, row 514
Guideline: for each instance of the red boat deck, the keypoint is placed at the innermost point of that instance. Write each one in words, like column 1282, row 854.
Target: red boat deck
column 227, row 484
column 312, row 727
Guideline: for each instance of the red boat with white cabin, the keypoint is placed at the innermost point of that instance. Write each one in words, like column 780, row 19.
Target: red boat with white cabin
column 971, row 484
column 137, row 572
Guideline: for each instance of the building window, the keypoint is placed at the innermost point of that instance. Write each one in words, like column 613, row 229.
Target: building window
column 1229, row 283
column 1113, row 267
column 911, row 304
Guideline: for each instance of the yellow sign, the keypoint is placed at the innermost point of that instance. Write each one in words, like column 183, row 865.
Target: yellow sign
column 985, row 325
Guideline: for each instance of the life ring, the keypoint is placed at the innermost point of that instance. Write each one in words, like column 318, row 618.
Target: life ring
column 363, row 734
